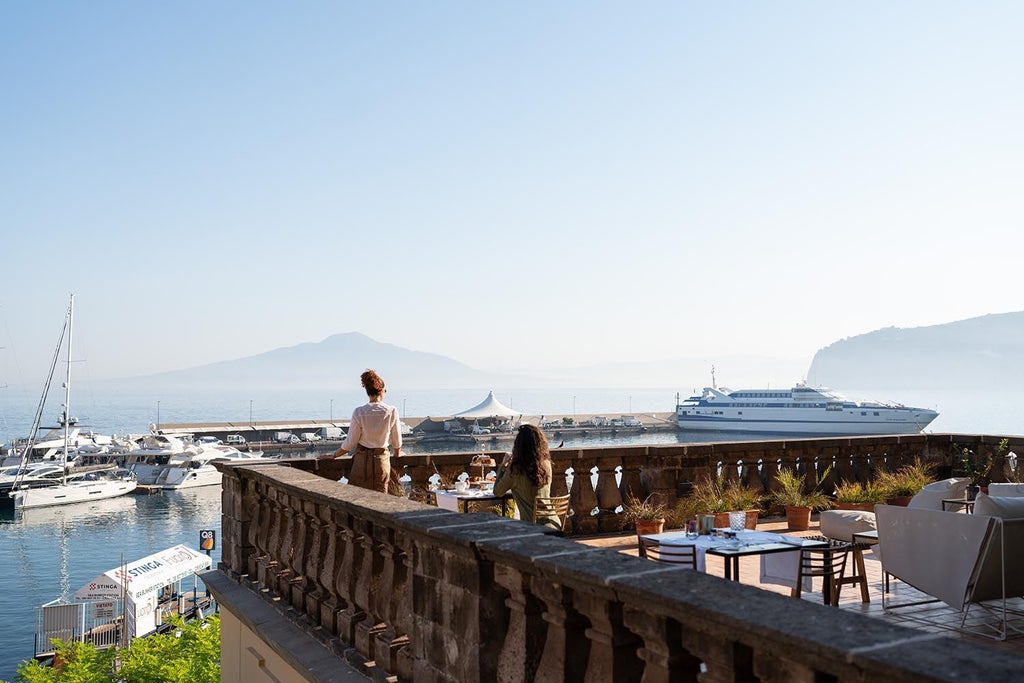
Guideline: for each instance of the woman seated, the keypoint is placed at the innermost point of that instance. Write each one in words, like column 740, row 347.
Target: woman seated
column 526, row 471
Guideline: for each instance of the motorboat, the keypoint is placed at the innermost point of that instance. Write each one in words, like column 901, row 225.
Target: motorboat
column 82, row 486
column 801, row 410
column 193, row 466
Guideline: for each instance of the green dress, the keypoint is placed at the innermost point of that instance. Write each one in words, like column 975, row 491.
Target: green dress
column 524, row 492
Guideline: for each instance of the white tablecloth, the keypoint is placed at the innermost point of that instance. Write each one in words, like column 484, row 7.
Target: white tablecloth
column 778, row 568
column 449, row 500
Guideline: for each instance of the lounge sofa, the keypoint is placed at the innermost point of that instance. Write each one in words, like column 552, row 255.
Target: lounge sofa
column 961, row 560
column 842, row 524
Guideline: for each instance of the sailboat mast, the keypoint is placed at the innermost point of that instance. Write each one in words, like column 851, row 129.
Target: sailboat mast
column 67, row 388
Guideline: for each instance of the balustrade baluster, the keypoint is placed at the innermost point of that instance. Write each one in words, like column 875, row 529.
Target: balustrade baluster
column 347, row 580
column 386, row 599
column 368, row 584
column 582, row 497
column 524, row 640
column 664, row 657
column 612, row 646
column 566, row 647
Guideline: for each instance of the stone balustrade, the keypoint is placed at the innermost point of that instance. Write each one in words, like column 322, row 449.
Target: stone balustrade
column 665, row 471
column 415, row 593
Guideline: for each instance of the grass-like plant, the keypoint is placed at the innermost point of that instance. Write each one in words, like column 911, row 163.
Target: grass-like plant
column 792, row 491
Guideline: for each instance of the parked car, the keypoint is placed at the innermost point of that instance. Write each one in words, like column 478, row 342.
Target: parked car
column 235, row 440
column 310, row 437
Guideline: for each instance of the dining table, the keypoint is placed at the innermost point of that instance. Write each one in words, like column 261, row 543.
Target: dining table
column 460, row 501
column 779, row 553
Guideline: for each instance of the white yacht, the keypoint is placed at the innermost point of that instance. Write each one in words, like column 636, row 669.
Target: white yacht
column 193, row 467
column 94, row 485
column 800, row 410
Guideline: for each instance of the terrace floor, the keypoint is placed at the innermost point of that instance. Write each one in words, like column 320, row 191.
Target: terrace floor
column 939, row 617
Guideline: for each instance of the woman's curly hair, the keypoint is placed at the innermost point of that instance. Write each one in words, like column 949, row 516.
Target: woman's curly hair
column 529, row 452
column 372, row 382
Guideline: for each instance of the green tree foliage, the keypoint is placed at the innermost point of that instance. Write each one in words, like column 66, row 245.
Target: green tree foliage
column 188, row 653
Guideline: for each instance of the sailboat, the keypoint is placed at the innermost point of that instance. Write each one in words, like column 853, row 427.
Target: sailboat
column 94, row 485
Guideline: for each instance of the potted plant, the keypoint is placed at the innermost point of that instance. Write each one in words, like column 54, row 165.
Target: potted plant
column 647, row 515
column 976, row 469
column 857, row 496
column 791, row 493
column 745, row 498
column 716, row 496
column 900, row 485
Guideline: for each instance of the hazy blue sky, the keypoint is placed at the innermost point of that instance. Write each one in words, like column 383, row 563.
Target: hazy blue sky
column 530, row 184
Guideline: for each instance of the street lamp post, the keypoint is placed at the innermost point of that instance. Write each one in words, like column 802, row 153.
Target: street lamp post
column 574, row 410
column 158, row 416
column 332, row 410
column 250, row 413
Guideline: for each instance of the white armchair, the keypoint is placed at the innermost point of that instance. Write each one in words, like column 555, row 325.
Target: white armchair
column 930, row 497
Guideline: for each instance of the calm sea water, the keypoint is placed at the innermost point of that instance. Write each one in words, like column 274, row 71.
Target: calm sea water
column 51, row 552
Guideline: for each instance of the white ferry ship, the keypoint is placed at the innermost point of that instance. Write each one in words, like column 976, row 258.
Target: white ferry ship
column 800, row 410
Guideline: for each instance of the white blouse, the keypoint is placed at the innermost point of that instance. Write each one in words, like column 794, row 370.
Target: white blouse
column 374, row 425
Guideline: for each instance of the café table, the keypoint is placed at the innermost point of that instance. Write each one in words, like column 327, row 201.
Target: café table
column 746, row 543
column 459, row 501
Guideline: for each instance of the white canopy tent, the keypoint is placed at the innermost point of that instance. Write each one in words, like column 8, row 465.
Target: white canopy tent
column 140, row 582
column 489, row 407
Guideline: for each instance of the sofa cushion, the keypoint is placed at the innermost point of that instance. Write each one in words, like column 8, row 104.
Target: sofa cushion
column 843, row 524
column 999, row 506
column 1006, row 490
column 931, row 495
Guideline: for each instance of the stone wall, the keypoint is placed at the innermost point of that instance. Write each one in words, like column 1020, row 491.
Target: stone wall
column 415, row 593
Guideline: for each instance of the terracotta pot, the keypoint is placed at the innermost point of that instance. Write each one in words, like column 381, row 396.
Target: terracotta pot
column 752, row 516
column 902, row 501
column 865, row 507
column 721, row 520
column 645, row 527
column 798, row 518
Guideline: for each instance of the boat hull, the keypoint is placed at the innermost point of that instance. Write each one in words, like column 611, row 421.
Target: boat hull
column 911, row 423
column 72, row 492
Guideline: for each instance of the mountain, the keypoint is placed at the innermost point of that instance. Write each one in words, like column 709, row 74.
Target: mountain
column 979, row 352
column 337, row 360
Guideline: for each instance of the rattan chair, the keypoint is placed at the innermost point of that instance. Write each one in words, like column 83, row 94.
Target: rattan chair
column 828, row 563
column 554, row 506
column 685, row 555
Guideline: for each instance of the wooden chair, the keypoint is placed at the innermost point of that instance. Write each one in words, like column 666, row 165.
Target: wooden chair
column 685, row 555
column 828, row 563
column 554, row 506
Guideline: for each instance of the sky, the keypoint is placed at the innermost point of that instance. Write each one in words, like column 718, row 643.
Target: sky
column 518, row 185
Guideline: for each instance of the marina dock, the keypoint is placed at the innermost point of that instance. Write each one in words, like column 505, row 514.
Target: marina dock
column 421, row 429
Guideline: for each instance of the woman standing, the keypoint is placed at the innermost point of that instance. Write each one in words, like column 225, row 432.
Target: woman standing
column 526, row 471
column 374, row 426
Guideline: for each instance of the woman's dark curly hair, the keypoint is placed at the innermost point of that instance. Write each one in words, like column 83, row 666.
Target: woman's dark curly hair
column 529, row 452
column 372, row 382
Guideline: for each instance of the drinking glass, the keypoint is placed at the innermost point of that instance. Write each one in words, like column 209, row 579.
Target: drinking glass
column 737, row 521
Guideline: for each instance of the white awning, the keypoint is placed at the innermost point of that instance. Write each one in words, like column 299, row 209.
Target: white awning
column 490, row 407
column 146, row 575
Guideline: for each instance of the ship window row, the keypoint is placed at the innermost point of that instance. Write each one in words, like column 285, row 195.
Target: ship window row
column 762, row 394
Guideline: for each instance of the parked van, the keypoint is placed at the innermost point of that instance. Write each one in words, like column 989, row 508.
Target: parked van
column 235, row 439
column 285, row 437
column 310, row 437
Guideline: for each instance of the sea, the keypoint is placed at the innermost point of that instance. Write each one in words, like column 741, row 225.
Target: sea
column 47, row 554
